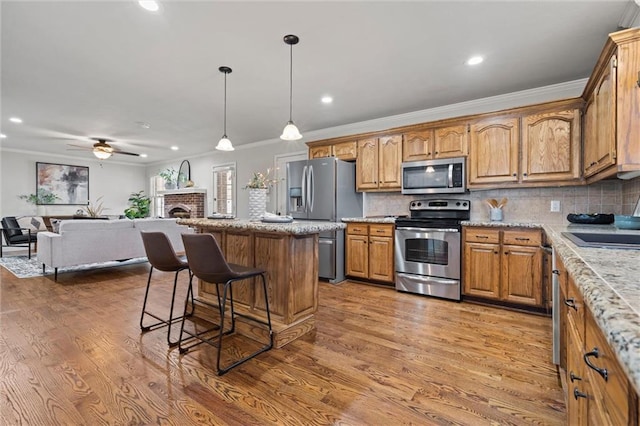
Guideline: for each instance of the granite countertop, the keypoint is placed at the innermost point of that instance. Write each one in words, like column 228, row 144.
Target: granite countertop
column 297, row 227
column 376, row 219
column 609, row 280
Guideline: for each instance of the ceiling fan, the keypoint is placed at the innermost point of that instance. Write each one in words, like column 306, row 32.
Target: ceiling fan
column 103, row 150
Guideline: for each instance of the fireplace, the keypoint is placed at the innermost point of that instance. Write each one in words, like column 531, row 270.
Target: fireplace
column 184, row 203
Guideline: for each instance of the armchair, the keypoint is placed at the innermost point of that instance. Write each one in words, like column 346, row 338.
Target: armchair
column 14, row 236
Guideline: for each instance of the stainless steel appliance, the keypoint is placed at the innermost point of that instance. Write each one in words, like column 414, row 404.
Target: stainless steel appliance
column 434, row 176
column 428, row 247
column 324, row 189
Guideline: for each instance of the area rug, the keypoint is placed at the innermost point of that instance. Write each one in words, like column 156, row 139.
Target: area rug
column 23, row 267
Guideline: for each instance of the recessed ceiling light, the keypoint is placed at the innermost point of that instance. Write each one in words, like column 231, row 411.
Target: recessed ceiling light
column 150, row 5
column 174, row 148
column 2, row 136
column 475, row 60
column 143, row 155
column 143, row 124
column 326, row 99
column 15, row 120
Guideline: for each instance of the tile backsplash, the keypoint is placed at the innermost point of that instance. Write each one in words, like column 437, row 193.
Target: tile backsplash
column 526, row 204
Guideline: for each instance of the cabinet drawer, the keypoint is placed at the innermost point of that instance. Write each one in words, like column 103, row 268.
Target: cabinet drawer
column 611, row 395
column 522, row 237
column 381, row 230
column 483, row 235
column 357, row 229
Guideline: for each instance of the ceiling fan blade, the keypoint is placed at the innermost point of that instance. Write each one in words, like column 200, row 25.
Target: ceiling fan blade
column 80, row 147
column 117, row 151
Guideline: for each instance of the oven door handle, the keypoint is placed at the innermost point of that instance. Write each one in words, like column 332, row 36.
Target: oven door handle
column 433, row 280
column 428, row 230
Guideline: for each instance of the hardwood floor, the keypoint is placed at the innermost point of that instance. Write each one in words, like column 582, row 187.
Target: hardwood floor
column 71, row 353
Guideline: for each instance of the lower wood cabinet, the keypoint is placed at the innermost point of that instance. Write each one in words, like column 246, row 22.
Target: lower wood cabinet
column 504, row 265
column 370, row 251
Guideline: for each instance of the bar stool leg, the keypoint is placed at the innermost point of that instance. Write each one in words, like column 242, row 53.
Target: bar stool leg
column 144, row 304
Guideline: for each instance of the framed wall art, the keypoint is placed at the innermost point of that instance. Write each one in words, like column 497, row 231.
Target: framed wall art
column 62, row 184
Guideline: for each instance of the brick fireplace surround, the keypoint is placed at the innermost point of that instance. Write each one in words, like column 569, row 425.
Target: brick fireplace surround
column 193, row 199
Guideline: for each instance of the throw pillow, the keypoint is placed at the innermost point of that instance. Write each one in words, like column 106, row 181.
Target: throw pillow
column 35, row 223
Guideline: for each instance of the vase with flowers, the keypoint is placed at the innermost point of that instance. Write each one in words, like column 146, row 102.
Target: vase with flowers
column 258, row 187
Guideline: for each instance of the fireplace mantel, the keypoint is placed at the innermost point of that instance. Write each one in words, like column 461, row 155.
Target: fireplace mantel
column 183, row 191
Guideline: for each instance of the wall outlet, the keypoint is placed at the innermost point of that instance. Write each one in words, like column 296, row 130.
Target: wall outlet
column 555, row 206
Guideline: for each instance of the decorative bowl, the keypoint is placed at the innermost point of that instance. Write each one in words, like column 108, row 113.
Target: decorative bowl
column 591, row 219
column 627, row 222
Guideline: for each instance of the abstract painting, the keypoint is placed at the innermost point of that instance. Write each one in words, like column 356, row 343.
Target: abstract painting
column 67, row 184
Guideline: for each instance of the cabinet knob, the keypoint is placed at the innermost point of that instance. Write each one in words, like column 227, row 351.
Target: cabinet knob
column 555, row 272
column 571, row 302
column 577, row 394
column 514, row 175
column 436, row 152
column 573, row 377
column 506, row 252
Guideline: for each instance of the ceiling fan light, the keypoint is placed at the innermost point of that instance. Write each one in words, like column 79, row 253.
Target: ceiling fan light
column 290, row 132
column 224, row 144
column 102, row 154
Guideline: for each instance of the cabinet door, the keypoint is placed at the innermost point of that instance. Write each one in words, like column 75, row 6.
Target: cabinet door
column 522, row 274
column 482, row 270
column 320, row 151
column 367, row 165
column 551, row 146
column 450, row 142
column 601, row 145
column 381, row 258
column 493, row 154
column 578, row 388
column 416, row 146
column 390, row 162
column 347, row 151
column 358, row 256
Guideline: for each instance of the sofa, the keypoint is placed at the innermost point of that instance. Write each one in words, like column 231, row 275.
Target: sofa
column 80, row 242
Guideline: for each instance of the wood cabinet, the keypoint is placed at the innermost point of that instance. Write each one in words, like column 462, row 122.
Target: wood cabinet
column 493, row 152
column 345, row 151
column 445, row 142
column 612, row 111
column 378, row 164
column 598, row 391
column 504, row 265
column 551, row 146
column 370, row 251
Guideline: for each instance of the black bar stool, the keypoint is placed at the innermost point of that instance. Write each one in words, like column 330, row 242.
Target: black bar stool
column 163, row 257
column 208, row 263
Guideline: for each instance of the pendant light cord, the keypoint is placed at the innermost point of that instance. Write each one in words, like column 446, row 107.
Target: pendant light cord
column 225, row 104
column 290, row 82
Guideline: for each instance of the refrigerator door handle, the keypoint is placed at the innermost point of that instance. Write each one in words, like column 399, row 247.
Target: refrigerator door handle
column 311, row 183
column 303, row 185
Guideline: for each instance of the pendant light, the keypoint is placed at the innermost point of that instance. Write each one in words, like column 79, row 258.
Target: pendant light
column 291, row 132
column 225, row 144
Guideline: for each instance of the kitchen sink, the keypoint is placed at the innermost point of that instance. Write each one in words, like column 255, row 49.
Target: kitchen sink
column 617, row 241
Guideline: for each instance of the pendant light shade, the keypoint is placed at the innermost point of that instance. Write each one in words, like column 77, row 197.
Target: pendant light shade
column 225, row 144
column 291, row 132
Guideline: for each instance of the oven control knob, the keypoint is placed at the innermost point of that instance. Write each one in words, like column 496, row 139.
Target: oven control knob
column 458, row 203
column 464, row 204
column 419, row 204
column 413, row 204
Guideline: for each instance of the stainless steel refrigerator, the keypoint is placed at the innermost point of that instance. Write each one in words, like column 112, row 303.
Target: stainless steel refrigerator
column 324, row 189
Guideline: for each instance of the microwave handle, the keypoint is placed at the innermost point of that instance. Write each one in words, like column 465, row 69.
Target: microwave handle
column 450, row 175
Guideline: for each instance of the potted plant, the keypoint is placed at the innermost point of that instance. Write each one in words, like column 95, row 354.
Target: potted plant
column 258, row 186
column 95, row 210
column 138, row 205
column 43, row 197
column 170, row 177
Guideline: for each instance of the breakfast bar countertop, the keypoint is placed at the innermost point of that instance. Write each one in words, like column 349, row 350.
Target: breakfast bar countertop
column 297, row 227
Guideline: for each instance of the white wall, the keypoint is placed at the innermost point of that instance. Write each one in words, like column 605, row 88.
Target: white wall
column 112, row 180
column 256, row 157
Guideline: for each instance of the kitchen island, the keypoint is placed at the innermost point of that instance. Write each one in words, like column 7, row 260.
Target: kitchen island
column 289, row 254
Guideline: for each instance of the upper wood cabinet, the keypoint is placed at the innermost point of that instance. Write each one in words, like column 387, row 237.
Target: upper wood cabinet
column 493, row 152
column 345, row 151
column 551, row 146
column 378, row 164
column 445, row 142
column 612, row 112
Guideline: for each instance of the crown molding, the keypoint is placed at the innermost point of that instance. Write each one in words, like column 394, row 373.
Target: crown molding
column 631, row 16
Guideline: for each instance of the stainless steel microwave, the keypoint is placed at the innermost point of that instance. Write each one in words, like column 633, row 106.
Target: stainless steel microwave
column 444, row 176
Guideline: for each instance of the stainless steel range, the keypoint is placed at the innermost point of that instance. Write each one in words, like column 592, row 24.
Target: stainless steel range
column 428, row 247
